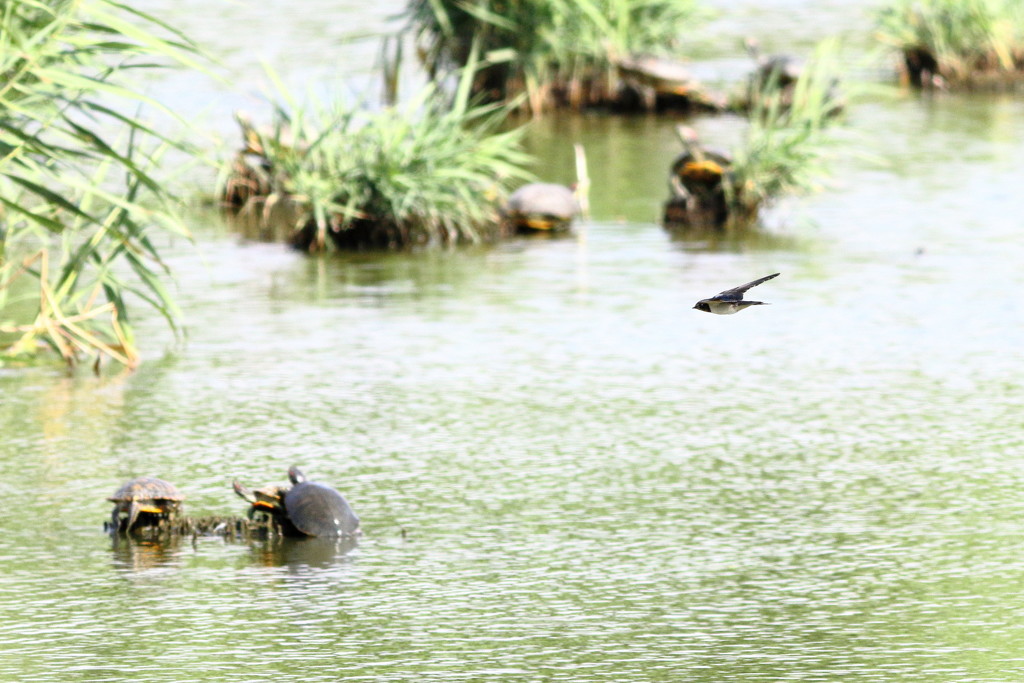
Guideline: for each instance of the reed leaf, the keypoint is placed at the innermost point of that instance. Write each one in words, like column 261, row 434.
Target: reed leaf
column 785, row 147
column 77, row 176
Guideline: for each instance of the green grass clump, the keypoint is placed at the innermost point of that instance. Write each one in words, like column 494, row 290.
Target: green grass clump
column 957, row 41
column 79, row 201
column 784, row 151
column 556, row 52
column 432, row 171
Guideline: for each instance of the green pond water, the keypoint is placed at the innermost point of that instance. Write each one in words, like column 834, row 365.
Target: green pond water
column 564, row 472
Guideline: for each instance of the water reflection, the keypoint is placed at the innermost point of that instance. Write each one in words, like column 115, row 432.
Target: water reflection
column 136, row 555
column 715, row 239
column 297, row 553
column 142, row 555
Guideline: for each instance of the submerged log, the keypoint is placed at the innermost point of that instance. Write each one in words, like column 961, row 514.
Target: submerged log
column 231, row 527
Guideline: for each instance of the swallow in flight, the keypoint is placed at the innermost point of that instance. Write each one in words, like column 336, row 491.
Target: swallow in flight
column 731, row 300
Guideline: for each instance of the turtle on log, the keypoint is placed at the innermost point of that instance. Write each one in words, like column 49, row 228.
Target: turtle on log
column 144, row 499
column 306, row 508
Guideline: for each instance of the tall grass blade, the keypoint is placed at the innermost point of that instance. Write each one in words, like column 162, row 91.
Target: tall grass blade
column 78, row 202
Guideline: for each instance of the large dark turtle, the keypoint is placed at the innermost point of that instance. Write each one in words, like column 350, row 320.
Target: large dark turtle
column 541, row 206
column 307, row 508
column 144, row 496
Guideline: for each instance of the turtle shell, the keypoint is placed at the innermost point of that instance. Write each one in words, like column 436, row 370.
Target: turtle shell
column 144, row 495
column 664, row 76
column 317, row 509
column 542, row 206
column 716, row 159
column 784, row 70
column 146, row 488
column 703, row 171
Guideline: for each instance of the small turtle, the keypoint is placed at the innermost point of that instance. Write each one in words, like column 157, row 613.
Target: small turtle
column 655, row 78
column 697, row 168
column 697, row 183
column 542, row 206
column 268, row 500
column 781, row 69
column 650, row 77
column 307, row 508
column 144, row 495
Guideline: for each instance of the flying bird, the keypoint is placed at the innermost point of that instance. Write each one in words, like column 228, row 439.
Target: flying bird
column 731, row 300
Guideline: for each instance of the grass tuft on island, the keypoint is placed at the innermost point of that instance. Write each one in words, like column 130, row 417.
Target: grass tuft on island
column 556, row 53
column 956, row 43
column 431, row 171
column 782, row 152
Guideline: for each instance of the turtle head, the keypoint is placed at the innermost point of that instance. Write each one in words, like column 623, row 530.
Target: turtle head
column 268, row 499
column 243, row 492
column 753, row 48
column 295, row 475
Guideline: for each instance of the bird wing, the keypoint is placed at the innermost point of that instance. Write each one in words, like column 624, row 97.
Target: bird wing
column 736, row 293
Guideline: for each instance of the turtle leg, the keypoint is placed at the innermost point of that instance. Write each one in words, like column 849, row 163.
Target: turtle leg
column 115, row 519
column 133, row 514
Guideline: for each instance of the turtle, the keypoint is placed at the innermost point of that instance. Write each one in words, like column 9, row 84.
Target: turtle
column 307, row 508
column 777, row 76
column 541, row 206
column 696, row 182
column 781, row 69
column 653, row 78
column 268, row 500
column 697, row 169
column 144, row 495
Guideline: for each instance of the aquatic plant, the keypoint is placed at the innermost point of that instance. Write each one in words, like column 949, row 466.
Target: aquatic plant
column 78, row 198
column 556, row 52
column 783, row 151
column 431, row 170
column 955, row 42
